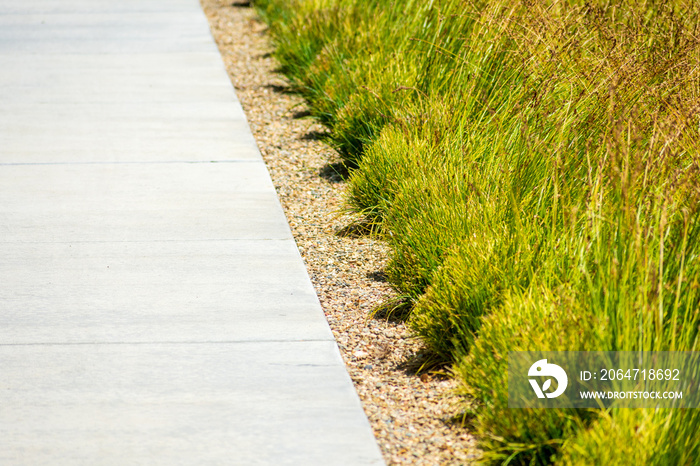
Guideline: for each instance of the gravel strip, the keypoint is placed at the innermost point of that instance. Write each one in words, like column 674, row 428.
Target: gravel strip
column 410, row 414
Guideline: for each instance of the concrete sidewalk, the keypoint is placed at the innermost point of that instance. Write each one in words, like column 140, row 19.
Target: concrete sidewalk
column 154, row 308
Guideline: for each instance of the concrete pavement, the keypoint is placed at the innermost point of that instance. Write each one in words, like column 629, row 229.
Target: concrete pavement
column 154, row 308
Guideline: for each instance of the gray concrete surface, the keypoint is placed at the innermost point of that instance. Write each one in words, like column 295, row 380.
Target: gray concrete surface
column 154, row 308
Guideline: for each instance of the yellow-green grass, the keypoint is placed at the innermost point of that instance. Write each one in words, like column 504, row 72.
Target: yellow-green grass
column 534, row 167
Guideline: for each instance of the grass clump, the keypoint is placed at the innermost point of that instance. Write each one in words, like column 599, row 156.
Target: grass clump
column 359, row 64
column 636, row 436
column 534, row 167
column 537, row 319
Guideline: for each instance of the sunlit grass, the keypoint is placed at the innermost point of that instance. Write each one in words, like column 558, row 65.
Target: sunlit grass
column 534, row 167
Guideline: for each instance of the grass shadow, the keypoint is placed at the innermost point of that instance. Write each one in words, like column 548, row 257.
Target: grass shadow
column 242, row 4
column 359, row 229
column 461, row 419
column 425, row 362
column 378, row 276
column 280, row 89
column 393, row 310
column 315, row 136
column 301, row 114
column 333, row 172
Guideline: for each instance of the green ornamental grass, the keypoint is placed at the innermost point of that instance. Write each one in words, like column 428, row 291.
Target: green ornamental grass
column 534, row 167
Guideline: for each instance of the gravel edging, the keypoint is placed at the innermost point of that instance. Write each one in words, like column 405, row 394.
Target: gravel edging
column 410, row 415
